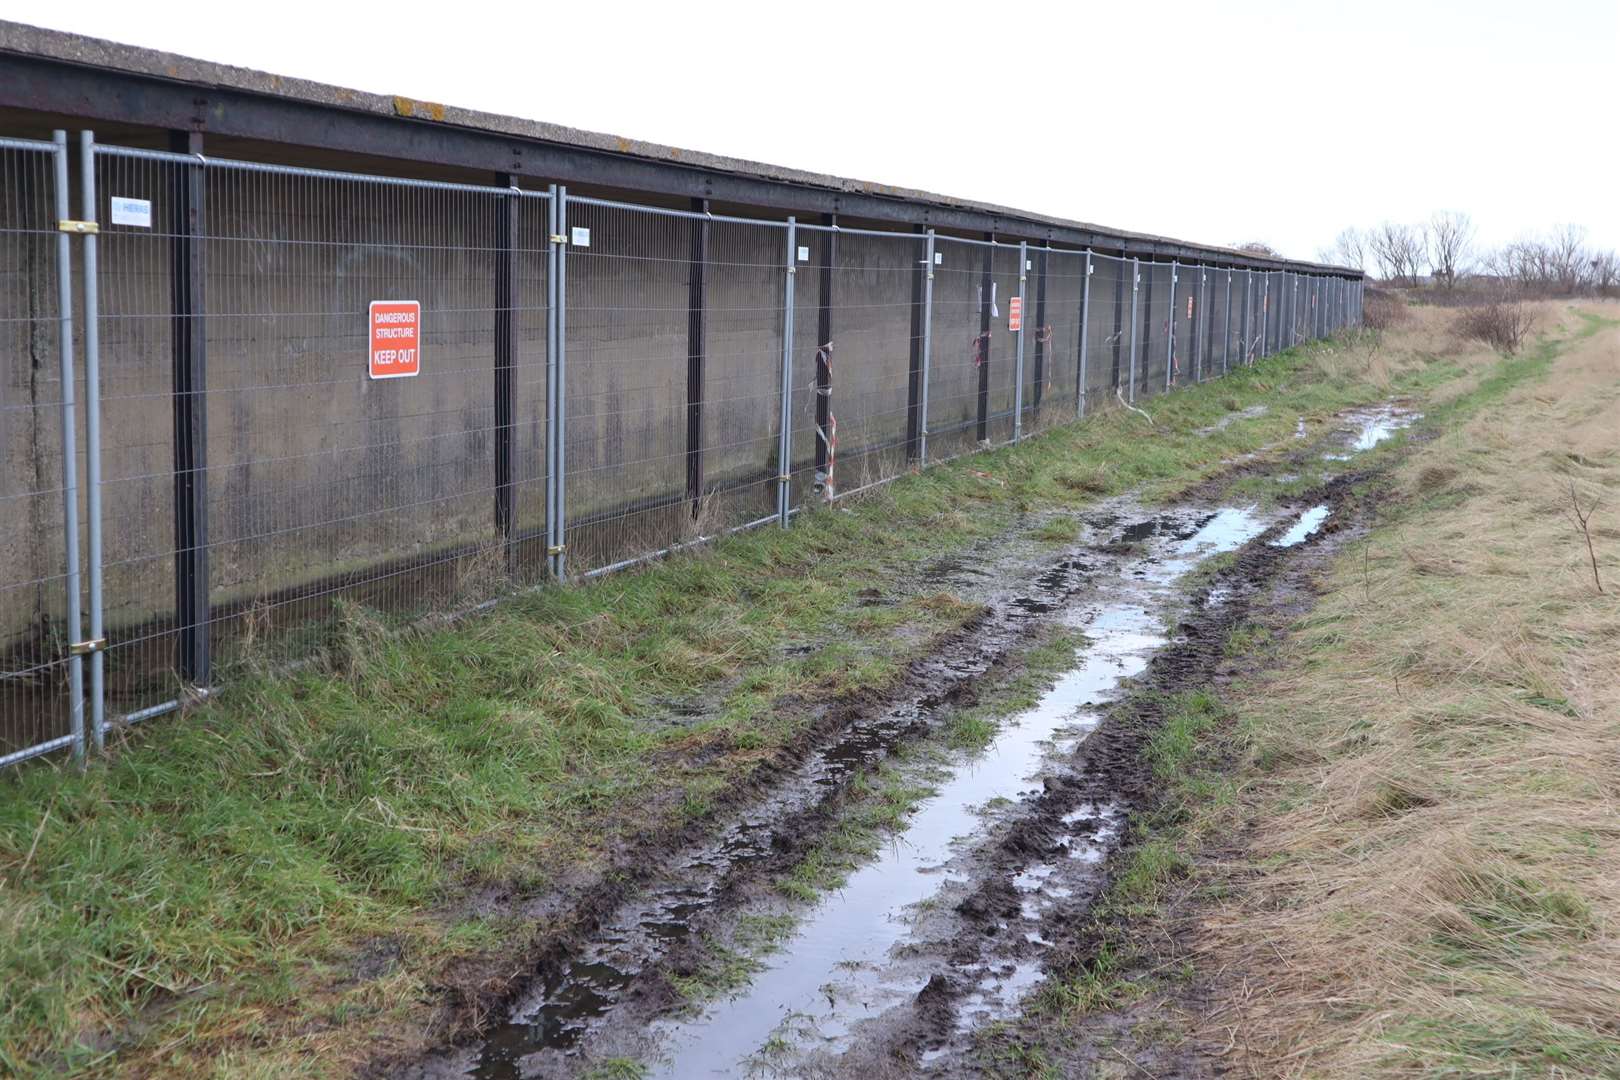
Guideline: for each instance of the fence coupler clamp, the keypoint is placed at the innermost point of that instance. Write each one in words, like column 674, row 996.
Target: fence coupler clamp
column 556, row 549
column 82, row 228
column 85, row 648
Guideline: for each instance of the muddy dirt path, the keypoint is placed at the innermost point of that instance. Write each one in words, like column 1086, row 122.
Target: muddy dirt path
column 949, row 926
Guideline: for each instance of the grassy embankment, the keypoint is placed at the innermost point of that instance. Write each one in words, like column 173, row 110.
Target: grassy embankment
column 297, row 876
column 1393, row 847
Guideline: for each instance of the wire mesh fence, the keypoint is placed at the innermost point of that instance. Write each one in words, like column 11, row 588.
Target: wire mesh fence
column 316, row 401
column 40, row 672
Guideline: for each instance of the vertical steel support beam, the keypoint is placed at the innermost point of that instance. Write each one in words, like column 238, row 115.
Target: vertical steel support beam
column 70, row 448
column 1146, row 334
column 696, row 287
column 784, row 451
column 1265, row 315
column 986, row 283
column 506, row 304
column 92, row 436
column 1118, row 337
column 915, row 419
column 1085, row 341
column 1136, row 286
column 1247, row 319
column 1041, row 336
column 1206, row 323
column 824, row 331
column 1018, row 354
column 1226, row 327
column 1170, row 327
column 1197, row 330
column 190, row 363
column 928, row 345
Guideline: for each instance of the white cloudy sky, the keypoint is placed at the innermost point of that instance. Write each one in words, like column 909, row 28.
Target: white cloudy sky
column 1221, row 122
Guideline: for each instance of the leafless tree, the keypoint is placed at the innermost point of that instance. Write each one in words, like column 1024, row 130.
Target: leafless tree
column 1451, row 241
column 1349, row 249
column 1400, row 250
column 1605, row 269
column 1567, row 250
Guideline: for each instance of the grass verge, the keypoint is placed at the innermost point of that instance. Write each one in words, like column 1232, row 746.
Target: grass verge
column 1391, row 847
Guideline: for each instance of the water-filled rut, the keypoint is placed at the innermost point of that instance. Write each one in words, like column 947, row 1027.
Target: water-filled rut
column 948, row 926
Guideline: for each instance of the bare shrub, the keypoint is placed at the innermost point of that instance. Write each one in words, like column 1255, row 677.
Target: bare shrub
column 1502, row 323
column 1382, row 309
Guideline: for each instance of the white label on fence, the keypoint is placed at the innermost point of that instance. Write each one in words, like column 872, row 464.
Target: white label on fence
column 582, row 236
column 804, row 254
column 939, row 258
column 136, row 212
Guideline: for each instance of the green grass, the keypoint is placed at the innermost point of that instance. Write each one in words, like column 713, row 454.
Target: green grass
column 212, row 880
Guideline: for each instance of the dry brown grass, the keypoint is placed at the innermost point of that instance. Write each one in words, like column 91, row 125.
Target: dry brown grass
column 1434, row 884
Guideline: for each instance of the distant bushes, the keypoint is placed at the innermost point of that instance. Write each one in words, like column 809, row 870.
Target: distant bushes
column 1500, row 322
column 1382, row 309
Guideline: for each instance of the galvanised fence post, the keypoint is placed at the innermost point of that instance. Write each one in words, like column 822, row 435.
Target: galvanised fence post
column 92, row 437
column 556, row 383
column 1018, row 353
column 1226, row 327
column 1085, row 340
column 927, row 346
column 70, row 447
column 1136, row 289
column 1170, row 327
column 784, row 452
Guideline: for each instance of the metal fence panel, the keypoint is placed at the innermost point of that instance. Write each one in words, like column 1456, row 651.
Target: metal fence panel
column 261, row 476
column 39, row 601
column 1052, row 353
column 674, row 326
column 875, row 281
column 1109, row 330
column 961, row 318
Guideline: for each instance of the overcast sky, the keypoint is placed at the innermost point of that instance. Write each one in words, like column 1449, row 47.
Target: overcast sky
column 1216, row 122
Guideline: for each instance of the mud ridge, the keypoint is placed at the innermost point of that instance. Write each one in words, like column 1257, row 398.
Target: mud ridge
column 1116, row 752
column 946, row 676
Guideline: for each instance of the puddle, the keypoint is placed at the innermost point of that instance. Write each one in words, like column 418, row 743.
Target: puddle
column 1304, row 528
column 1250, row 413
column 836, row 969
column 833, row 973
column 1373, row 426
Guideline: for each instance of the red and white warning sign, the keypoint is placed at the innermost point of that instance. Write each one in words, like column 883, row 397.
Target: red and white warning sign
column 1015, row 314
column 396, row 338
column 1189, row 307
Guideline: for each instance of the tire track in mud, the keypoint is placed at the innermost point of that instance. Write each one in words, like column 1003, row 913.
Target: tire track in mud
column 1036, row 865
column 618, row 931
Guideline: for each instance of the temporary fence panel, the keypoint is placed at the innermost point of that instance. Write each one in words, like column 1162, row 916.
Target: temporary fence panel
column 41, row 699
column 672, row 380
column 1108, row 331
column 299, row 376
column 1002, row 379
column 1184, row 355
column 963, row 327
column 1053, row 348
column 1157, row 325
column 877, row 337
